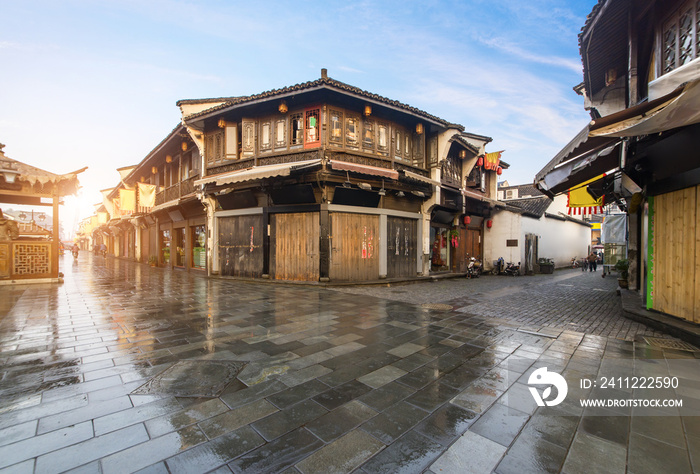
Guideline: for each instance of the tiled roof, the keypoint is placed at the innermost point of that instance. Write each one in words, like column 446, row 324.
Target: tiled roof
column 523, row 189
column 326, row 82
column 533, row 207
column 589, row 19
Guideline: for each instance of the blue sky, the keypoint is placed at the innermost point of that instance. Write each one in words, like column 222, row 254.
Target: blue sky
column 94, row 83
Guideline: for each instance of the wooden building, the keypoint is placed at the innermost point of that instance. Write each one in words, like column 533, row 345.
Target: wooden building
column 323, row 181
column 28, row 254
column 154, row 214
column 641, row 85
column 319, row 181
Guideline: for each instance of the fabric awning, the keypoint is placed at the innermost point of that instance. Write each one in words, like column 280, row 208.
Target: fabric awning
column 580, row 169
column 580, row 145
column 256, row 172
column 365, row 169
column 418, row 177
column 677, row 109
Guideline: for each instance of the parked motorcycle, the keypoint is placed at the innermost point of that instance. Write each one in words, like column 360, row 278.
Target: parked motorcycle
column 75, row 252
column 575, row 263
column 474, row 268
column 501, row 267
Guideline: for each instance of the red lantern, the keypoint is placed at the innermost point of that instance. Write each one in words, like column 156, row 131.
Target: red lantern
column 489, row 223
column 467, row 220
column 499, row 171
column 480, row 161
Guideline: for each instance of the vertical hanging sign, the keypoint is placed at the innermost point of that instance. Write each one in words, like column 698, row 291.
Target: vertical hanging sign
column 650, row 255
column 251, row 237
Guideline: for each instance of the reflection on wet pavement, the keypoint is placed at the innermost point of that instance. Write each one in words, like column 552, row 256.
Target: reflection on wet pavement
column 125, row 367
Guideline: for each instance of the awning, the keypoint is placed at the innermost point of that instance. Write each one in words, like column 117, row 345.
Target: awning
column 418, row 177
column 365, row 169
column 581, row 145
column 579, row 170
column 677, row 109
column 256, row 172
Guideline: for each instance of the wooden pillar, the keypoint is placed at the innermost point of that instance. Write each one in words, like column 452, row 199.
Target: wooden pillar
column 56, row 237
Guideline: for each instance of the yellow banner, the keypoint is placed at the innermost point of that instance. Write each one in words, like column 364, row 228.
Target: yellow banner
column 147, row 194
column 127, row 200
column 492, row 160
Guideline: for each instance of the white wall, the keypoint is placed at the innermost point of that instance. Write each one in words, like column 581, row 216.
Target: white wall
column 506, row 225
column 558, row 240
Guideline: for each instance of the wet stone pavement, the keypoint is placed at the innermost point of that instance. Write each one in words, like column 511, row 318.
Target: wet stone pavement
column 127, row 368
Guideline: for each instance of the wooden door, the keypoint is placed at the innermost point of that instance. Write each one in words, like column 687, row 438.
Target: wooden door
column 240, row 246
column 294, row 246
column 354, row 247
column 402, row 242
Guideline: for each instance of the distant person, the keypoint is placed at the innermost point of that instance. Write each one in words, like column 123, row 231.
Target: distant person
column 593, row 262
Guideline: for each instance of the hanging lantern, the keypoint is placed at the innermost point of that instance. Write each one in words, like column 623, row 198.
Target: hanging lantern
column 283, row 107
column 222, row 123
column 499, row 171
column 480, row 161
column 467, row 220
column 368, row 110
column 489, row 223
column 168, row 159
column 184, row 146
column 419, row 128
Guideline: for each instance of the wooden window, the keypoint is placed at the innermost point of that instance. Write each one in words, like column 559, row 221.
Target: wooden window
column 336, row 127
column 383, row 139
column 248, row 147
column 433, row 151
column 296, row 129
column 214, row 147
column 280, row 134
column 418, row 148
column 511, row 242
column 209, row 149
column 368, row 134
column 407, row 147
column 352, row 132
column 680, row 37
column 312, row 122
column 265, row 137
column 397, row 145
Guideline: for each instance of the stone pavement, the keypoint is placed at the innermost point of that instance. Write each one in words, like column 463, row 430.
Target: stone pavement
column 126, row 368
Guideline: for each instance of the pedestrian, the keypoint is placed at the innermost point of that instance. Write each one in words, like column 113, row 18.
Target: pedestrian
column 592, row 262
column 584, row 264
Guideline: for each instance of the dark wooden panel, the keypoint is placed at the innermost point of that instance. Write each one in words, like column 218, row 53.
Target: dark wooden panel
column 468, row 245
column 402, row 241
column 240, row 246
column 354, row 247
column 294, row 244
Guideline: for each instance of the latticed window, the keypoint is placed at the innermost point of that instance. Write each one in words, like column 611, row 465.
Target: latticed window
column 265, row 141
column 382, row 138
column 351, row 131
column 368, row 134
column 336, row 126
column 681, row 41
column 313, row 132
column 296, row 122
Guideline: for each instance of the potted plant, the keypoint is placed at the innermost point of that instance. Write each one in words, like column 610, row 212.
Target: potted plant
column 622, row 266
column 546, row 265
column 153, row 261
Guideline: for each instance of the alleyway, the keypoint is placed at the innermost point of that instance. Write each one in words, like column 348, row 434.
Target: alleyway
column 126, row 367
